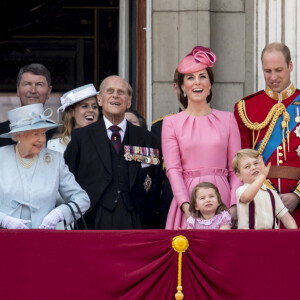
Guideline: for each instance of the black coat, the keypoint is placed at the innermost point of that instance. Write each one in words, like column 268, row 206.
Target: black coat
column 166, row 195
column 4, row 128
column 89, row 159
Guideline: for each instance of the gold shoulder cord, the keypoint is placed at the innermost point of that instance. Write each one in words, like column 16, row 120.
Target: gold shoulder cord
column 276, row 111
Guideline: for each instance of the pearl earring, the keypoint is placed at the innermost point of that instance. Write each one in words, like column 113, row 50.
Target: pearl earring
column 184, row 94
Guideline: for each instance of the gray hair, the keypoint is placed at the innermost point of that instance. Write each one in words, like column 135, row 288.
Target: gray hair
column 128, row 87
column 14, row 135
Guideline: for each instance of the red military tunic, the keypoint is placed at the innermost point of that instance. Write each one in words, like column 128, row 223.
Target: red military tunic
column 257, row 107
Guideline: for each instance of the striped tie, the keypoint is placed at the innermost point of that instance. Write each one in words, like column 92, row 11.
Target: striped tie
column 115, row 137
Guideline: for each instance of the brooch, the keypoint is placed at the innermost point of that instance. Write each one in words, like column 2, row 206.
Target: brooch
column 47, row 158
column 147, row 183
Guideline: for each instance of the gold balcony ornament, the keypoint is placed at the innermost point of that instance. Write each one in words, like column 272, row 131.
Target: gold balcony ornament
column 180, row 244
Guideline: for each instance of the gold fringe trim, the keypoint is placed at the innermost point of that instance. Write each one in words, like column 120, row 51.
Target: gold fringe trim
column 297, row 189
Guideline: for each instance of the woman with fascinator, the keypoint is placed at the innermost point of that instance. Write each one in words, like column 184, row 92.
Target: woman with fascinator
column 198, row 143
column 31, row 175
column 80, row 108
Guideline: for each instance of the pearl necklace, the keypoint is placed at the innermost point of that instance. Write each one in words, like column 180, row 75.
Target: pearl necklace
column 22, row 162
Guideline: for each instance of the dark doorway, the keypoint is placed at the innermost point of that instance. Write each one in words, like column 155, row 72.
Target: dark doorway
column 76, row 40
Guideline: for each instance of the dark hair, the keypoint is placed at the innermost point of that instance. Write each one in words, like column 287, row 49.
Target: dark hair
column 179, row 93
column 175, row 78
column 184, row 100
column 36, row 69
column 142, row 121
column 205, row 185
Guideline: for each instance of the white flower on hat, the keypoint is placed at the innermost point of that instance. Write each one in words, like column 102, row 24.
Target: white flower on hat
column 66, row 101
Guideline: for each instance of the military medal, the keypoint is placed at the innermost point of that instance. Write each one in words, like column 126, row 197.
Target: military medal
column 154, row 156
column 127, row 154
column 146, row 160
column 297, row 114
column 140, row 158
column 141, row 154
column 147, row 183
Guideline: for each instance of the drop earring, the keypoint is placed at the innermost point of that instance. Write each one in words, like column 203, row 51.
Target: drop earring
column 184, row 94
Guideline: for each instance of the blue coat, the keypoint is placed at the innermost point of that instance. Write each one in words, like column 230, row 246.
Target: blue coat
column 51, row 175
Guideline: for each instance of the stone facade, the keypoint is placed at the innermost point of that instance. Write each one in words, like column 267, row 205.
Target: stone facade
column 236, row 31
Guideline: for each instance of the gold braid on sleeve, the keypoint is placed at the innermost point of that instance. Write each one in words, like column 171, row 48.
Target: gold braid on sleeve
column 297, row 189
column 276, row 111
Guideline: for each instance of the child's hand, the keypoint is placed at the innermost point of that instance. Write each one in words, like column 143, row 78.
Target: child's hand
column 185, row 207
column 264, row 170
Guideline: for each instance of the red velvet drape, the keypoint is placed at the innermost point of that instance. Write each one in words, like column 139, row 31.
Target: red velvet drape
column 141, row 264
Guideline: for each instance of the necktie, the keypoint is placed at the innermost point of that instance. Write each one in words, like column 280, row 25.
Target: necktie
column 115, row 137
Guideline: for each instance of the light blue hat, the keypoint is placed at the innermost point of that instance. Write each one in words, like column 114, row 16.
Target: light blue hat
column 29, row 117
column 77, row 95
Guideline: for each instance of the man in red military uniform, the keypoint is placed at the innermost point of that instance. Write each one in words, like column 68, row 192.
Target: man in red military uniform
column 269, row 121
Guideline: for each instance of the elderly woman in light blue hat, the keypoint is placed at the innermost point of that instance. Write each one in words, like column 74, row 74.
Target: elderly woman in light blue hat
column 80, row 108
column 32, row 175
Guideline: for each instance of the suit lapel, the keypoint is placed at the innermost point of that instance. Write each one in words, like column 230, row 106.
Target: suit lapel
column 99, row 137
column 134, row 140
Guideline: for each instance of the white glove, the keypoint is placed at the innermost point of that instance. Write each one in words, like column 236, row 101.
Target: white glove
column 52, row 219
column 14, row 223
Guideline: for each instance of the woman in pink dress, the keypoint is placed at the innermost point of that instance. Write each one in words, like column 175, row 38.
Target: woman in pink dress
column 199, row 143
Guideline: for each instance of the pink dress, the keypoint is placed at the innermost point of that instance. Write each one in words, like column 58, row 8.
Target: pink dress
column 197, row 149
column 216, row 222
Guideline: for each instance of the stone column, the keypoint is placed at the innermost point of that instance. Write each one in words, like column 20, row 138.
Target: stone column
column 277, row 21
column 177, row 26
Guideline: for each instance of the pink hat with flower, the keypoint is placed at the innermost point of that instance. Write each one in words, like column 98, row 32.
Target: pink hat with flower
column 200, row 58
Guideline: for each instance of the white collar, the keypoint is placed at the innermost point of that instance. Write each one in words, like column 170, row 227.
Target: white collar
column 122, row 125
